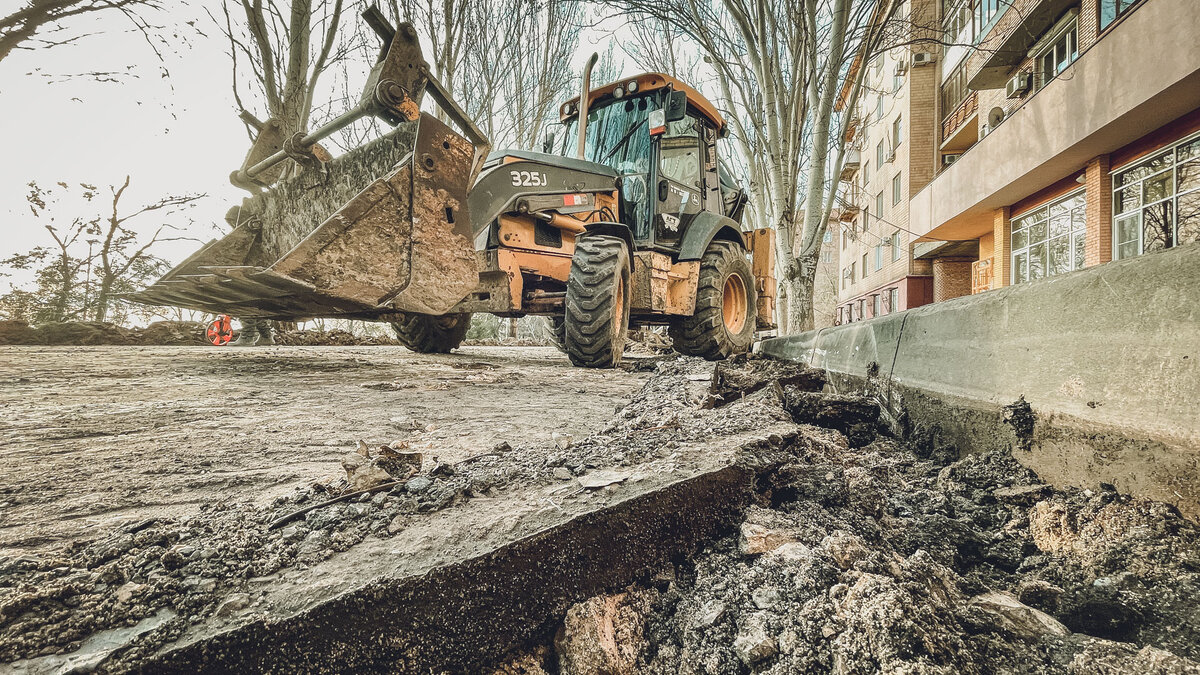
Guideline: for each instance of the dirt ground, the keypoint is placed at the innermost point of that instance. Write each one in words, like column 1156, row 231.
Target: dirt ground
column 94, row 437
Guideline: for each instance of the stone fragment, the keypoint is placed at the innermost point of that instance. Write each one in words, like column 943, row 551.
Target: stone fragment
column 711, row 615
column 757, row 539
column 563, row 441
column 232, row 604
column 418, row 484
column 126, row 592
column 845, row 549
column 602, row 635
column 1017, row 617
column 562, row 473
column 753, row 644
column 598, row 479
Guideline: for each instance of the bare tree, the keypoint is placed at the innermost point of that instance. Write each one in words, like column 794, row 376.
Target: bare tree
column 50, row 23
column 507, row 63
column 287, row 47
column 780, row 67
column 120, row 252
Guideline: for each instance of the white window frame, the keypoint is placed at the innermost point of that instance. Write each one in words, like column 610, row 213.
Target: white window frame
column 1073, row 235
column 1068, row 24
column 1135, row 215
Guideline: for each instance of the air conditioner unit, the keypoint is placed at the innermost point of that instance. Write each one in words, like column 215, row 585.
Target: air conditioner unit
column 901, row 68
column 984, row 130
column 922, row 59
column 1018, row 85
column 891, row 155
column 947, row 160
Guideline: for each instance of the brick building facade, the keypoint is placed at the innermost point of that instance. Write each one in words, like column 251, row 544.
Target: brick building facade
column 1067, row 136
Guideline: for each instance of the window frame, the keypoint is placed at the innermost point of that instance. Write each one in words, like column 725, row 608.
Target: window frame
column 879, row 202
column 897, row 132
column 895, row 245
column 957, row 78
column 1073, row 235
column 897, row 188
column 1067, row 26
column 1122, row 8
column 1172, row 197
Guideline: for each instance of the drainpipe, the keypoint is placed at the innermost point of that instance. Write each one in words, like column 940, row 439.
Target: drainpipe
column 583, row 101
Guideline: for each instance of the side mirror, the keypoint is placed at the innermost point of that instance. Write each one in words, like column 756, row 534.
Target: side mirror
column 676, row 106
column 548, row 143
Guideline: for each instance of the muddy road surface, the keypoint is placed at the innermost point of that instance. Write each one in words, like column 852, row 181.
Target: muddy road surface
column 92, row 438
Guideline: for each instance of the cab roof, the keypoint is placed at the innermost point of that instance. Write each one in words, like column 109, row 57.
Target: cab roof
column 646, row 82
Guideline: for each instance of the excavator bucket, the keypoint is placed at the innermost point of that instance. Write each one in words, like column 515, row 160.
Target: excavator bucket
column 381, row 229
column 402, row 243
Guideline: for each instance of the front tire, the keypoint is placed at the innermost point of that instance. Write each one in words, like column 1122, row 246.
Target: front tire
column 726, row 304
column 428, row 334
column 597, row 307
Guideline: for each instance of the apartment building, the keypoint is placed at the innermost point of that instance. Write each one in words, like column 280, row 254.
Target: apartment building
column 1065, row 134
column 1069, row 138
column 891, row 156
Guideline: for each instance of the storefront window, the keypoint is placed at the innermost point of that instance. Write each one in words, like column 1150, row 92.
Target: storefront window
column 1156, row 202
column 1049, row 240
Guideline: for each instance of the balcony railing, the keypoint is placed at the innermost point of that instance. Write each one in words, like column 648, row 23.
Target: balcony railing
column 960, row 115
column 981, row 276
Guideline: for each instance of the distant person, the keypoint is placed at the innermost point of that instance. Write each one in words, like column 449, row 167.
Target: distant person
column 254, row 333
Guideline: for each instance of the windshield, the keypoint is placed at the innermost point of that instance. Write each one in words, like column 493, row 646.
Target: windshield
column 616, row 136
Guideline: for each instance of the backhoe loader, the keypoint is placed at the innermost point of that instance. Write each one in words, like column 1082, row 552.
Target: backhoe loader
column 626, row 218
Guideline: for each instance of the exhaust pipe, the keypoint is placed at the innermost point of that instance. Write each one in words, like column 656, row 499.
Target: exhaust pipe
column 583, row 101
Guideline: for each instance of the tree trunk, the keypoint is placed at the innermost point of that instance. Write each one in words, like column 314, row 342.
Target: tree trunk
column 102, row 297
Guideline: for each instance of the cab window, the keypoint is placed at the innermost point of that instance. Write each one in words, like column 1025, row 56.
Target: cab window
column 680, row 152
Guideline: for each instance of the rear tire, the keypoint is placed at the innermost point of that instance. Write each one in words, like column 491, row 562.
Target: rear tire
column 597, row 308
column 556, row 331
column 428, row 334
column 726, row 303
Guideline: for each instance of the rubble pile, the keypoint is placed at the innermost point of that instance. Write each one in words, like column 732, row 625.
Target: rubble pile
column 90, row 333
column 862, row 557
column 858, row 556
column 330, row 338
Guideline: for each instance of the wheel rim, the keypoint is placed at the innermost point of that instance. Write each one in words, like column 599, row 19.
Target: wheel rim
column 733, row 304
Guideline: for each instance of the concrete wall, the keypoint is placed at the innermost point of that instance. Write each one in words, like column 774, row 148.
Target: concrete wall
column 1107, row 357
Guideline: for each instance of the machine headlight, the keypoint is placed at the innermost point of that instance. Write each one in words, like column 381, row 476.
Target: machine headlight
column 618, row 92
column 631, row 86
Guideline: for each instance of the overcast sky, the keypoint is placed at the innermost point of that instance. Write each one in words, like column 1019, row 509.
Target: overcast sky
column 171, row 126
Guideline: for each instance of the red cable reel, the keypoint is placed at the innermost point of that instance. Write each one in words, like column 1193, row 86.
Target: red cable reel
column 219, row 332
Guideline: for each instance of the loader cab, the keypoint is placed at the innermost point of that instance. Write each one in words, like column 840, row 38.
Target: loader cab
column 668, row 170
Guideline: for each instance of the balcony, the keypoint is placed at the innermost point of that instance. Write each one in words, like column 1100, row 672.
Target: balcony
column 1116, row 92
column 1010, row 41
column 851, row 164
column 960, row 129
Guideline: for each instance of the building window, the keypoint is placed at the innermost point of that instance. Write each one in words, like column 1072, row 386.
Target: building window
column 894, row 299
column 985, row 11
column 954, row 89
column 866, row 172
column 826, row 256
column 895, row 245
column 875, row 305
column 1049, row 240
column 897, row 132
column 866, row 219
column 862, row 309
column 1111, row 9
column 879, row 107
column 880, row 155
column 864, row 266
column 828, row 236
column 1060, row 52
column 1156, row 202
column 851, row 272
column 896, row 188
column 879, row 203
